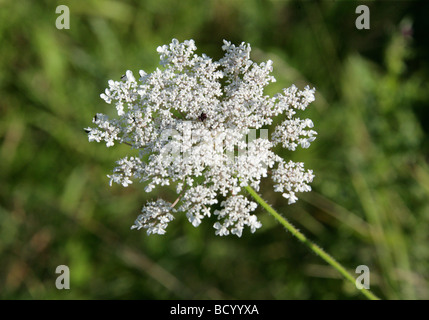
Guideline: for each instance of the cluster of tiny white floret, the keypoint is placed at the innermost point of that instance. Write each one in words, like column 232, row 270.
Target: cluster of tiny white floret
column 190, row 123
column 236, row 215
column 155, row 217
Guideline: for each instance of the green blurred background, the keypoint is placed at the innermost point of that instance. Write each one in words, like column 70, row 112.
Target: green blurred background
column 370, row 200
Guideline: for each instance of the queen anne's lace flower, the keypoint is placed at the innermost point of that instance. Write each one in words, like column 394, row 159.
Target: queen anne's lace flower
column 155, row 217
column 193, row 125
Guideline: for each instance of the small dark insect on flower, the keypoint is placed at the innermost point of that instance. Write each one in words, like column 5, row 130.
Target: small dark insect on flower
column 202, row 117
column 94, row 119
column 124, row 77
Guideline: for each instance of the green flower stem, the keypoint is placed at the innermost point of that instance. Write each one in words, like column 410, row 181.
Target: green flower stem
column 315, row 248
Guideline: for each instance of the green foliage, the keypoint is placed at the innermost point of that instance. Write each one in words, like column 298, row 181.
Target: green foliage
column 369, row 204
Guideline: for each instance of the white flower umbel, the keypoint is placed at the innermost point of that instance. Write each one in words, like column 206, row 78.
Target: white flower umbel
column 155, row 217
column 192, row 125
